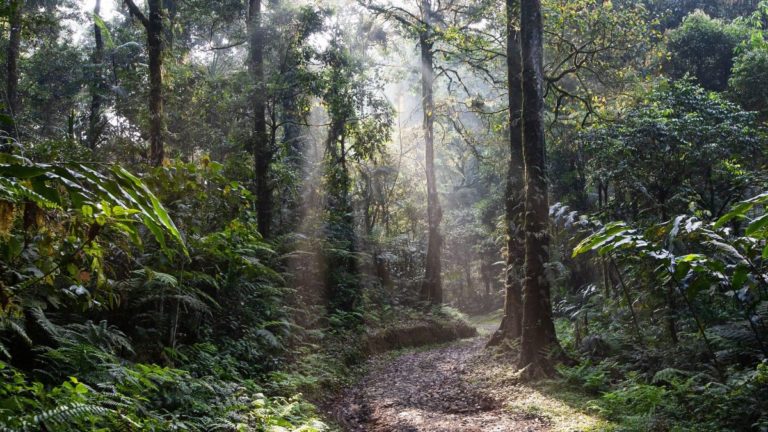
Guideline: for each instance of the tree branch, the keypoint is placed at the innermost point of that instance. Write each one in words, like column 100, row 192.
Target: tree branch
column 136, row 12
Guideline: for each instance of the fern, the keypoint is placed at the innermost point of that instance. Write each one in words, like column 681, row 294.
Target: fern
column 63, row 416
column 669, row 375
column 42, row 320
column 102, row 335
column 16, row 327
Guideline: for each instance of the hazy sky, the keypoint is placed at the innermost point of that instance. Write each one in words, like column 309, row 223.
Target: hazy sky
column 107, row 7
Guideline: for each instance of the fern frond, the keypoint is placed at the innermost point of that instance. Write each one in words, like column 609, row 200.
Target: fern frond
column 42, row 320
column 64, row 414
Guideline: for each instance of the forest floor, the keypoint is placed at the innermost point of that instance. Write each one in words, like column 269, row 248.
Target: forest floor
column 458, row 387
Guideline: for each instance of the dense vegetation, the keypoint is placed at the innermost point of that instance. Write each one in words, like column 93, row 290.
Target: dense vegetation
column 210, row 210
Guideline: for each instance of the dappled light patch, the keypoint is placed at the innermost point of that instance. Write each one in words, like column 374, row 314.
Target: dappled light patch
column 562, row 408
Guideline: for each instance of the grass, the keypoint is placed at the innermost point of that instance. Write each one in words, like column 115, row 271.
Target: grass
column 570, row 410
column 487, row 323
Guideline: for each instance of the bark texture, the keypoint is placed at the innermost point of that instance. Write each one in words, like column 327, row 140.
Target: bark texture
column 95, row 119
column 538, row 337
column 12, row 64
column 511, row 324
column 153, row 24
column 262, row 153
column 155, row 48
column 432, row 287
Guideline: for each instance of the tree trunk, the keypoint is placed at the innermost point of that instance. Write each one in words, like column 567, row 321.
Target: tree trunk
column 155, row 48
column 294, row 159
column 539, row 339
column 468, row 278
column 511, row 323
column 95, row 120
column 486, row 270
column 12, row 66
column 261, row 151
column 154, row 27
column 431, row 289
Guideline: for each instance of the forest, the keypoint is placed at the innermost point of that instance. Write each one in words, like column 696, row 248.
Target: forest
column 384, row 215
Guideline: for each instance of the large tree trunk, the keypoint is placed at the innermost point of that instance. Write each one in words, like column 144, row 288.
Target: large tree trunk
column 539, row 339
column 432, row 287
column 12, row 64
column 261, row 152
column 511, row 323
column 155, row 48
column 95, row 120
column 154, row 27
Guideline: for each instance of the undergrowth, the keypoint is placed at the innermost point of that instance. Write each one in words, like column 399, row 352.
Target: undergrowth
column 670, row 399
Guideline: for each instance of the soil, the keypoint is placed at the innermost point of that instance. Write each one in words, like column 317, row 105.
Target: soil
column 431, row 390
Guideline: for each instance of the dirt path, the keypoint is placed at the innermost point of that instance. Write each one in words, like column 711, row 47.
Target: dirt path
column 431, row 390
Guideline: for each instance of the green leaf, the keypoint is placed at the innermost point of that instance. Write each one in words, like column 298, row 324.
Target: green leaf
column 121, row 196
column 160, row 214
column 740, row 210
column 600, row 238
column 104, row 31
column 692, row 258
column 22, row 172
column 757, row 225
column 739, row 277
column 736, row 212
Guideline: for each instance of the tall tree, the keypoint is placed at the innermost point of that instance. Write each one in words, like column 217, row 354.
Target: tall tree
column 260, row 145
column 422, row 23
column 341, row 262
column 12, row 63
column 432, row 287
column 511, row 324
column 153, row 24
column 96, row 118
column 538, row 333
column 292, row 98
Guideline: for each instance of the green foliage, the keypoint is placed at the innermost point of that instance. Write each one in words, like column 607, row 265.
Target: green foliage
column 180, row 316
column 147, row 397
column 349, row 91
column 633, row 399
column 224, row 290
column 718, row 273
column 703, row 48
column 59, row 223
column 748, row 82
column 672, row 12
column 117, row 199
column 676, row 400
column 592, row 378
column 680, row 148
